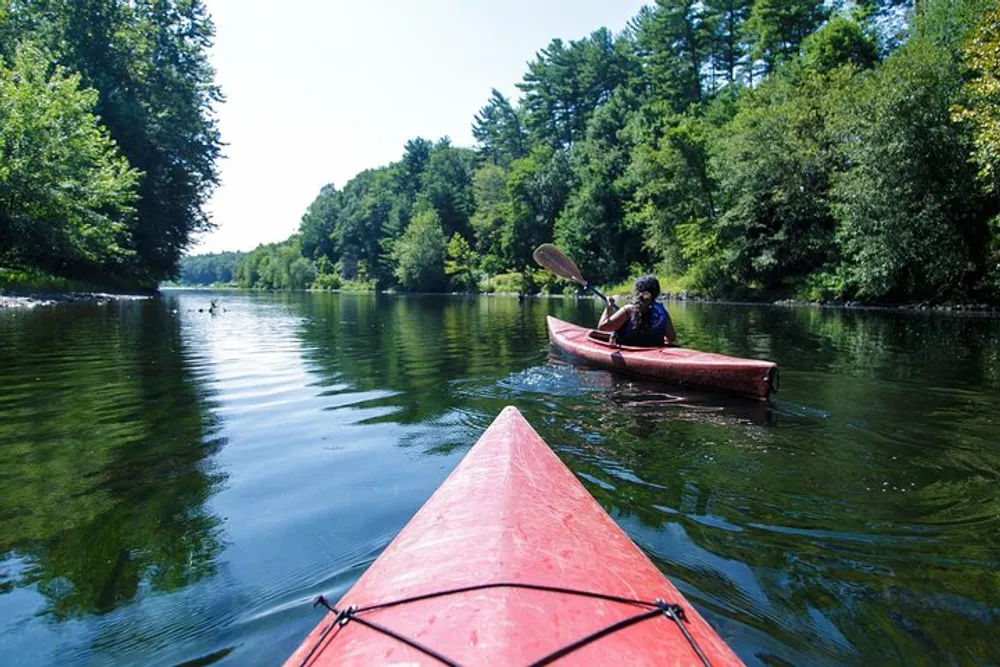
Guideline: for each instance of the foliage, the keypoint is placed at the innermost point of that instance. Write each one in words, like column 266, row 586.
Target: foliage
column 276, row 266
column 773, row 169
column 66, row 194
column 725, row 22
column 912, row 221
column 148, row 63
column 515, row 282
column 841, row 41
column 674, row 195
column 35, row 281
column 500, row 130
column 447, row 185
column 459, row 264
column 209, row 269
column 420, row 252
column 982, row 109
column 777, row 28
column 566, row 83
column 740, row 147
column 671, row 286
column 326, row 281
column 591, row 226
column 492, row 210
column 316, row 228
column 537, row 188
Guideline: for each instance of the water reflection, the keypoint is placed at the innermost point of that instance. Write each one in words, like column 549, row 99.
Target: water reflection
column 104, row 434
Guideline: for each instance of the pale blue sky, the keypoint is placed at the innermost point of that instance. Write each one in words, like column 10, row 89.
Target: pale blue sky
column 320, row 90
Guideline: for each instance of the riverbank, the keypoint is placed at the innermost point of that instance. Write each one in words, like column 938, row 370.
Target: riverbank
column 971, row 308
column 8, row 301
column 678, row 297
column 21, row 288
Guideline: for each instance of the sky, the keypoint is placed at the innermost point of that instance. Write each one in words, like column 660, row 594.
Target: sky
column 319, row 90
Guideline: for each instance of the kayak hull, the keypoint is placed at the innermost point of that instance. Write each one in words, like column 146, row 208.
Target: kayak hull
column 512, row 512
column 674, row 365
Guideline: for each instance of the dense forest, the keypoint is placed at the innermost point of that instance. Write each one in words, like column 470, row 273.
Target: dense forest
column 209, row 269
column 737, row 147
column 108, row 142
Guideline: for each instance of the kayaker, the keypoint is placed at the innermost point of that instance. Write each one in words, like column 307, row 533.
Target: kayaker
column 643, row 323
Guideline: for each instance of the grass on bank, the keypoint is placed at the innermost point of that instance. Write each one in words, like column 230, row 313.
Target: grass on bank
column 817, row 288
column 669, row 286
column 513, row 283
column 24, row 281
column 543, row 282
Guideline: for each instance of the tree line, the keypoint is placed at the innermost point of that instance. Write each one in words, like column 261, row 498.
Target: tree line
column 736, row 147
column 108, row 142
column 209, row 268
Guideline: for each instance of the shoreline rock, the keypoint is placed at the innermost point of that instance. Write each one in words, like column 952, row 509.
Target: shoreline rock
column 951, row 308
column 23, row 300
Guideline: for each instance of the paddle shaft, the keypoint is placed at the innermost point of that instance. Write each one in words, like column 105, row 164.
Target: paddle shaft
column 596, row 291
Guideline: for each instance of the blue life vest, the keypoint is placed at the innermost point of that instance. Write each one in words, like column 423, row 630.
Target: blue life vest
column 651, row 334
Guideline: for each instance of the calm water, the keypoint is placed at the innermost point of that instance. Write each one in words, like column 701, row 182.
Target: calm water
column 176, row 486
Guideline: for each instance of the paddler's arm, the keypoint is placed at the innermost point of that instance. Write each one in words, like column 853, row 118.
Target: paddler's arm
column 612, row 321
column 670, row 336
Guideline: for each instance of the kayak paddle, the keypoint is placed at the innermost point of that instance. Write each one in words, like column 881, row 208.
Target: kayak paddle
column 550, row 257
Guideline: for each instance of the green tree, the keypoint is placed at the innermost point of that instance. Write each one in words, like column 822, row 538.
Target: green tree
column 148, row 62
column 774, row 164
column 209, row 268
column 912, row 222
column 740, row 145
column 565, row 84
column 460, row 262
column 724, row 21
column 981, row 108
column 420, row 253
column 537, row 189
column 416, row 156
column 301, row 273
column 675, row 38
column 447, row 184
column 982, row 92
column 276, row 266
column 366, row 206
column 674, row 197
column 318, row 223
column 499, row 130
column 66, row 194
column 776, row 28
column 592, row 227
column 841, row 41
column 492, row 210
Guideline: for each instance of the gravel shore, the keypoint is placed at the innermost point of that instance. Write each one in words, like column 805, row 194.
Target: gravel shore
column 35, row 300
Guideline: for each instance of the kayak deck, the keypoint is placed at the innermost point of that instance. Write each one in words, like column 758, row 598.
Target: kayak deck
column 515, row 525
column 675, row 365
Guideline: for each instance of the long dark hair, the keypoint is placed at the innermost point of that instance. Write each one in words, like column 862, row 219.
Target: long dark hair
column 644, row 296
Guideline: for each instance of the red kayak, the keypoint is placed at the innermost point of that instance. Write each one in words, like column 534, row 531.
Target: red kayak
column 676, row 365
column 512, row 562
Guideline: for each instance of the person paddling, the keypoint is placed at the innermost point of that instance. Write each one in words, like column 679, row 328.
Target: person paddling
column 643, row 323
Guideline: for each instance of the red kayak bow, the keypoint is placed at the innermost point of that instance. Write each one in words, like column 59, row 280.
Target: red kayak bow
column 512, row 562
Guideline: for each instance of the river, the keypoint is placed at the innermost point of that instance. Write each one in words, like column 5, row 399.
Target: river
column 176, row 485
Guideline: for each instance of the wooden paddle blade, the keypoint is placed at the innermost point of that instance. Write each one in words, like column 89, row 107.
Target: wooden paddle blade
column 550, row 257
